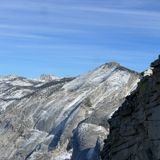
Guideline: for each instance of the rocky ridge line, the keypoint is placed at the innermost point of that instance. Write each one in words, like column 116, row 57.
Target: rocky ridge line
column 135, row 126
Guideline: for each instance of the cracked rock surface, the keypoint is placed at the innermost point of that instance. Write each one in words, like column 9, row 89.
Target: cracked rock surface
column 135, row 127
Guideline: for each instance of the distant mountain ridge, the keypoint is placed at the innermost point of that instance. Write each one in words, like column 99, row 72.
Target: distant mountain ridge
column 61, row 118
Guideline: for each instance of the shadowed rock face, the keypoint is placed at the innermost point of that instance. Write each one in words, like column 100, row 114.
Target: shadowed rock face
column 135, row 127
column 61, row 118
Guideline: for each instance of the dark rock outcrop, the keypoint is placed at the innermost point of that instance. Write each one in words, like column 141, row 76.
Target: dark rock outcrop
column 135, row 126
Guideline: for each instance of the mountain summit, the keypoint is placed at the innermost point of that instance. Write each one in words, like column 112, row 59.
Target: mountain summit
column 61, row 119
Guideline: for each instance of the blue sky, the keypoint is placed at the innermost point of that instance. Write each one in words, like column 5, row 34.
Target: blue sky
column 70, row 37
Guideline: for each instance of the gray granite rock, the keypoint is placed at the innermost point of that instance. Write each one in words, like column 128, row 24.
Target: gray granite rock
column 135, row 127
column 43, row 120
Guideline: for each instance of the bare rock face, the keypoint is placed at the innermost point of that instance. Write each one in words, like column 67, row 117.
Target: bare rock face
column 60, row 119
column 135, row 127
column 87, row 141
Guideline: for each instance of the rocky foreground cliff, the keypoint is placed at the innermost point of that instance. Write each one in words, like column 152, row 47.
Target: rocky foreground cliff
column 135, row 127
column 61, row 118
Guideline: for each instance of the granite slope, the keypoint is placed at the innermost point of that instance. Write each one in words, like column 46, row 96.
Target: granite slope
column 60, row 118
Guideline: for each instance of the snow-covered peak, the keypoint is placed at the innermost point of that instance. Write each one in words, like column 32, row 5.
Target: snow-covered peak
column 111, row 71
column 48, row 77
column 16, row 80
column 61, row 112
column 111, row 64
column 8, row 77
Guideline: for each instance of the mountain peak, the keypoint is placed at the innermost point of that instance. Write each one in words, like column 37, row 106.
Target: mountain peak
column 48, row 77
column 67, row 115
column 111, row 64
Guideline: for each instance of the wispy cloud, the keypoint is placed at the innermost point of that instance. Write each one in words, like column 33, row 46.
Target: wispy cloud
column 86, row 32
